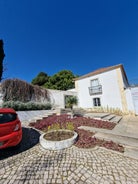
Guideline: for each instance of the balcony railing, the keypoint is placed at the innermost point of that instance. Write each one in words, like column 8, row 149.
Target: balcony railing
column 95, row 90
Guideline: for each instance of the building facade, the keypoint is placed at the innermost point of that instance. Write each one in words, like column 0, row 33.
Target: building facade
column 107, row 88
column 104, row 88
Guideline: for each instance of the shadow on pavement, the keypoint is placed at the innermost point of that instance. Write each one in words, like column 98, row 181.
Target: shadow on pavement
column 30, row 138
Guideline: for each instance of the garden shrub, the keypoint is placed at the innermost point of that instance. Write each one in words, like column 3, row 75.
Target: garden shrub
column 20, row 106
column 57, row 126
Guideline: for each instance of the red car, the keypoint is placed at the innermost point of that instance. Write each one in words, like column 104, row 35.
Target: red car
column 10, row 128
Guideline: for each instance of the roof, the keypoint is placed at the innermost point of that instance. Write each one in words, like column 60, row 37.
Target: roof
column 102, row 70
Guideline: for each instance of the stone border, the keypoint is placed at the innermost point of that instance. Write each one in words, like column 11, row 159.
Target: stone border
column 57, row 145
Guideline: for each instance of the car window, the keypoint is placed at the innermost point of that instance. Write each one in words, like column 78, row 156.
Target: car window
column 7, row 117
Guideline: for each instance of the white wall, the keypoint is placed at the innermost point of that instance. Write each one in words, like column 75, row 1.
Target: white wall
column 130, row 103
column 134, row 93
column 110, row 90
column 57, row 97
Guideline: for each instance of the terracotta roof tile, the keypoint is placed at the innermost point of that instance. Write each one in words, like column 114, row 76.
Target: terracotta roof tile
column 102, row 70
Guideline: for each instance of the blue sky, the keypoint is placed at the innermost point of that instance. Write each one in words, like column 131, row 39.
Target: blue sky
column 81, row 36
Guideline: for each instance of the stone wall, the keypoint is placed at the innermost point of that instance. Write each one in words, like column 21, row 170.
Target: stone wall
column 56, row 97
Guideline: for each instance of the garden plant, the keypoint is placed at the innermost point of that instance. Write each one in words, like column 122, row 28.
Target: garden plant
column 86, row 139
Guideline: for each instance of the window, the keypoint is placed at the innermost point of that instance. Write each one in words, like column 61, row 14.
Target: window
column 7, row 117
column 94, row 82
column 96, row 102
column 95, row 87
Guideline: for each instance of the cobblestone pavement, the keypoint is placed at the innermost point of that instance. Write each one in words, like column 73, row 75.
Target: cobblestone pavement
column 69, row 166
column 31, row 164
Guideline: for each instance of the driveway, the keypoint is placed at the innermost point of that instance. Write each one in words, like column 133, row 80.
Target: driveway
column 31, row 164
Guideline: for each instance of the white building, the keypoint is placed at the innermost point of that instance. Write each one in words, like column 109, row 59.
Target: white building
column 107, row 87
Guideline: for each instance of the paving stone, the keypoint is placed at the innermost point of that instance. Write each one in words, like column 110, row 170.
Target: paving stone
column 100, row 166
column 73, row 165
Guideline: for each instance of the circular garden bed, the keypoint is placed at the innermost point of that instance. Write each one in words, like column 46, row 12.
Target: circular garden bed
column 58, row 139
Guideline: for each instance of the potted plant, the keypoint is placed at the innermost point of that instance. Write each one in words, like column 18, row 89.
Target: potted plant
column 70, row 102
